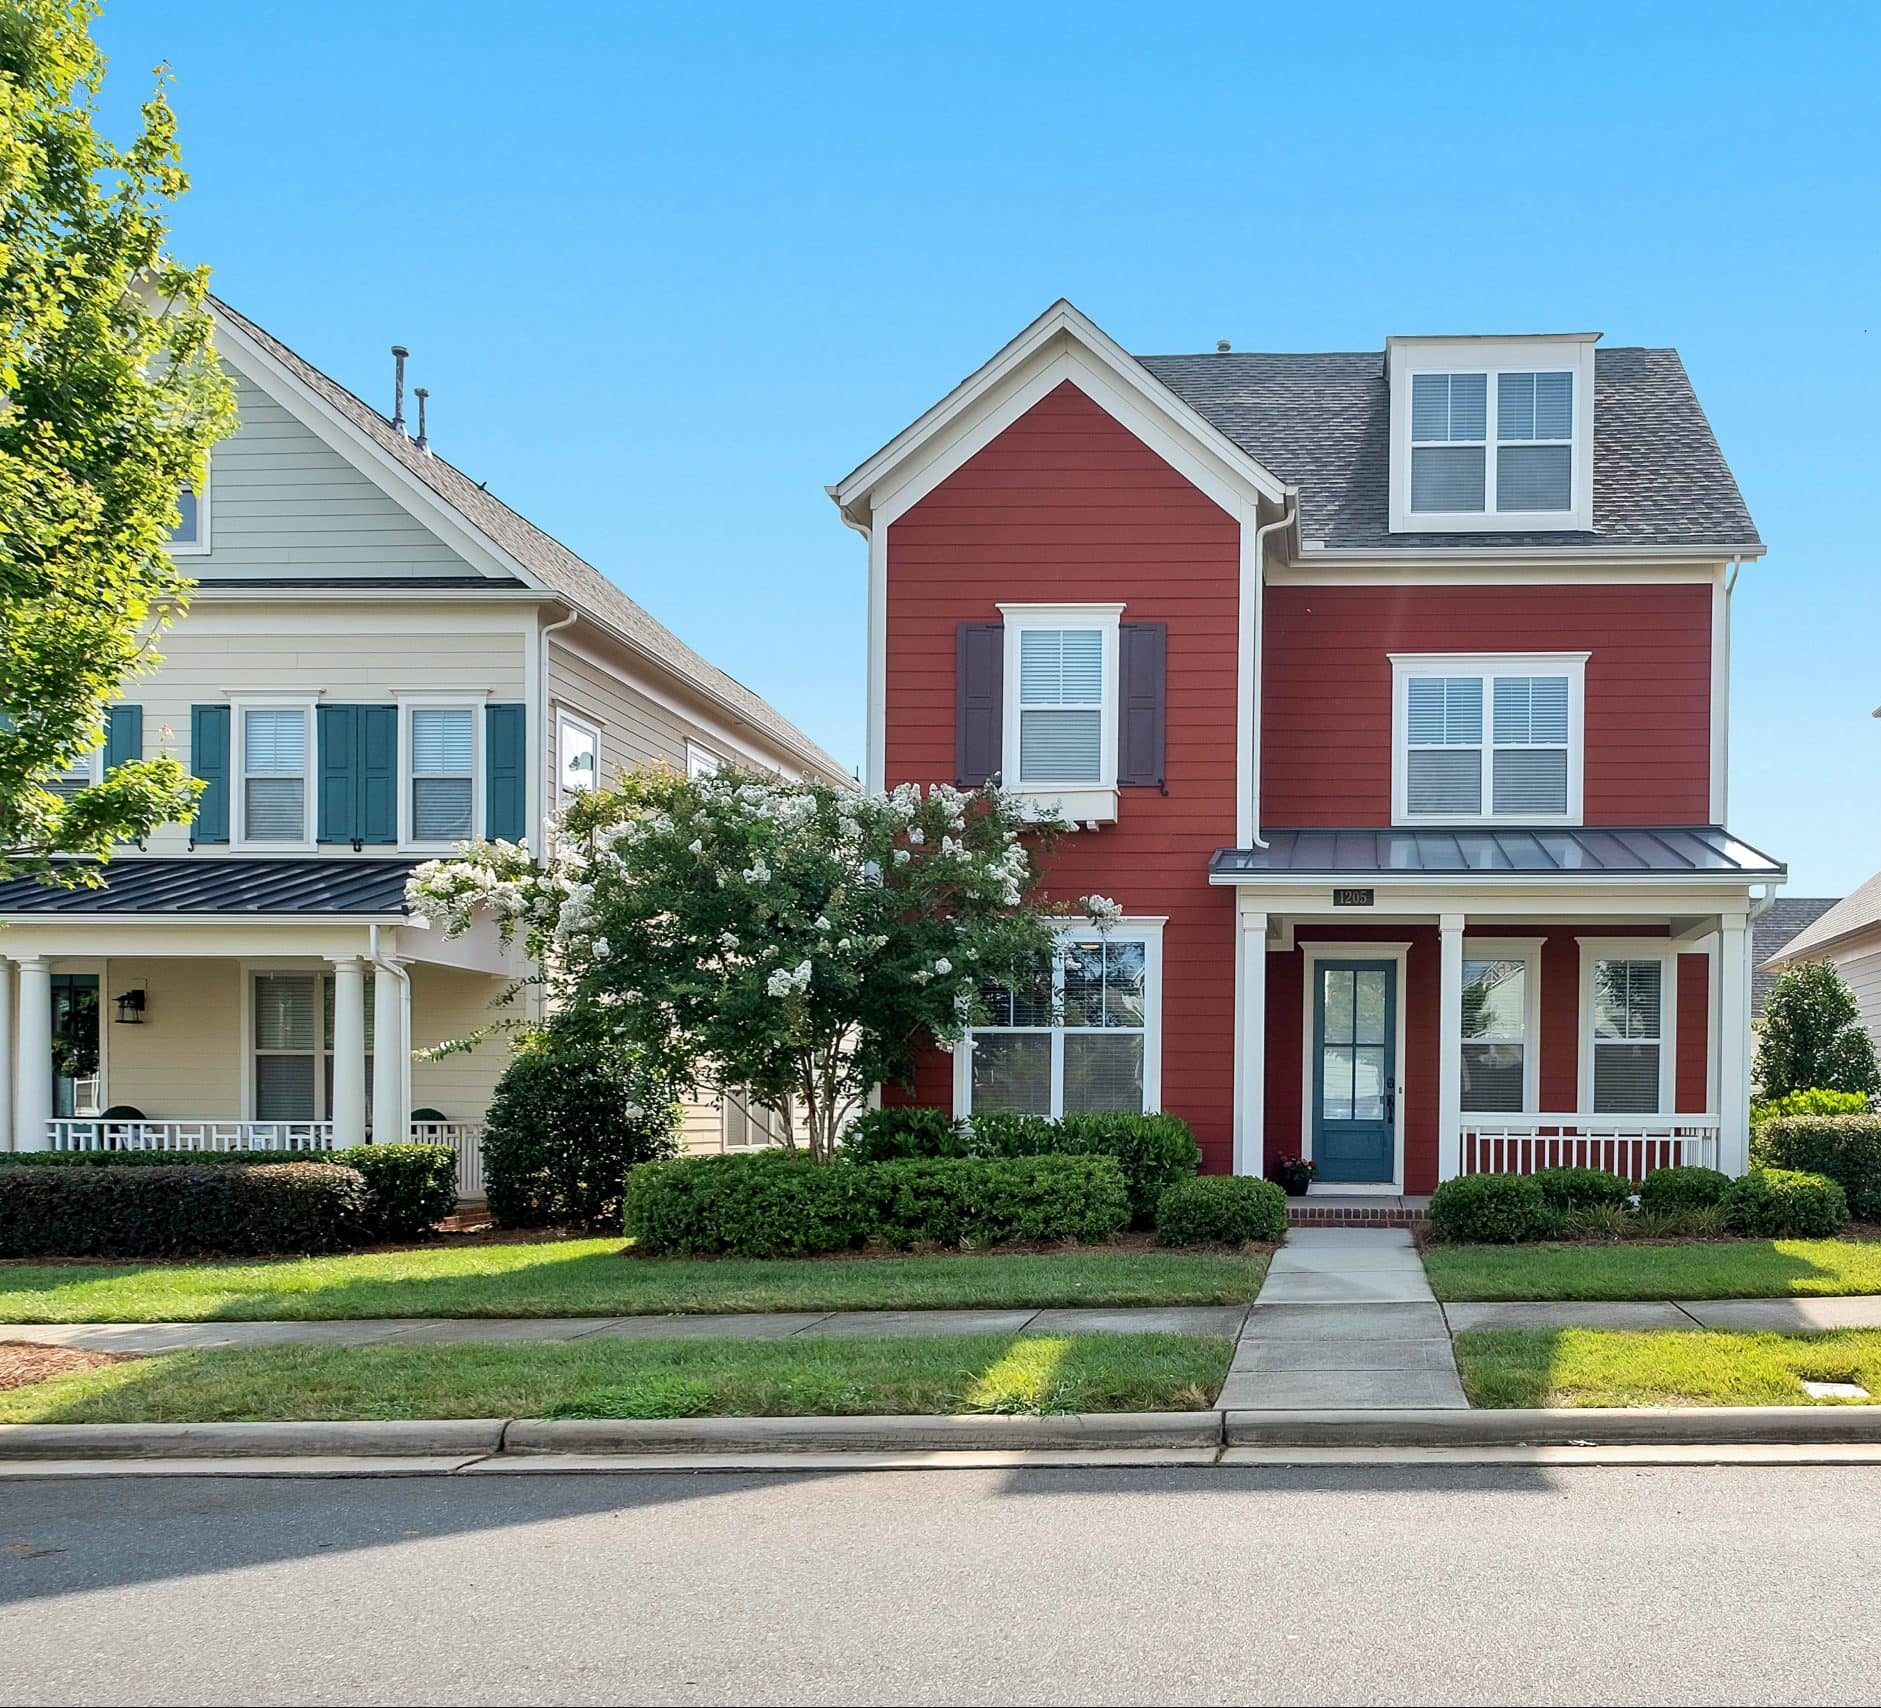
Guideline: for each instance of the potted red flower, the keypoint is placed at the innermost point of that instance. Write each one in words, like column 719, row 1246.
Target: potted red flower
column 1294, row 1173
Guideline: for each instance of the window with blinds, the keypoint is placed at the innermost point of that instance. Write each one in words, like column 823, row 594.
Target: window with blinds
column 1459, row 468
column 274, row 774
column 1061, row 706
column 1449, row 442
column 443, row 784
column 1628, row 1002
column 1495, row 1033
column 1534, row 442
column 1073, row 1040
column 293, row 1046
column 1488, row 746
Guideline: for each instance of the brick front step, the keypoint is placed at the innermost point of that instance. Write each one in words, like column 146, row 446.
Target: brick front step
column 1316, row 1211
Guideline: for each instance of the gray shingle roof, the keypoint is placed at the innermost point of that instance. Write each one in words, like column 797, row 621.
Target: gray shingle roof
column 574, row 579
column 244, row 887
column 1322, row 423
column 1857, row 911
column 1785, row 918
column 1590, row 851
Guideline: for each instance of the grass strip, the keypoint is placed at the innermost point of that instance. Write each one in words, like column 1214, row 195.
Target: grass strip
column 1720, row 1269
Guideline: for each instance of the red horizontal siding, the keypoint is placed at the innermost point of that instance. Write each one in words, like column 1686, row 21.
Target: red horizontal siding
column 1326, row 691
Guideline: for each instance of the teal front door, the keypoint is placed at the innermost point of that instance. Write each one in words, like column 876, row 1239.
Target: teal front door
column 1355, row 1071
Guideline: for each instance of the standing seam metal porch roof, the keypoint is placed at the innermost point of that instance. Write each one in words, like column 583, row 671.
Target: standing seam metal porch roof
column 1545, row 851
column 317, row 888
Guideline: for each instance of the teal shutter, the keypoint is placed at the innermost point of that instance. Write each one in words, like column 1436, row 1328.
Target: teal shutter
column 337, row 736
column 505, row 771
column 378, row 774
column 209, row 760
column 124, row 735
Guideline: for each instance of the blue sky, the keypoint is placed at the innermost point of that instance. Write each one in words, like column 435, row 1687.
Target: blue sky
column 669, row 271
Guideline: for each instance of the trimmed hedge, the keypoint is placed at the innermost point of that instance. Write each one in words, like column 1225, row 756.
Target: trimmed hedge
column 1779, row 1203
column 1580, row 1188
column 1154, row 1151
column 776, row 1205
column 1680, row 1190
column 188, row 1211
column 1847, row 1148
column 1490, row 1209
column 1221, row 1209
column 1812, row 1102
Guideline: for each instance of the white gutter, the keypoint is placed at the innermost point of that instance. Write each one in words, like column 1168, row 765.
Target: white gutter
column 1289, row 514
column 539, row 801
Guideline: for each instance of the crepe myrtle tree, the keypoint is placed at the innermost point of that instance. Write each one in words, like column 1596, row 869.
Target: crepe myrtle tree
column 796, row 940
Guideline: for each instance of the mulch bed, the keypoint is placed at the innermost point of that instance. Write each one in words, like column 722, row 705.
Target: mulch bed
column 23, row 1362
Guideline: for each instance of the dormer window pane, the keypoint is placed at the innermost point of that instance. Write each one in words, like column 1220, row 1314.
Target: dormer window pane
column 1534, row 453
column 188, row 530
column 1449, row 453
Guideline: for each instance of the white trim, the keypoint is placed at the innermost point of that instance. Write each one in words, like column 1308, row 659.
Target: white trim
column 1250, row 1042
column 701, row 761
column 1407, row 667
column 1081, row 800
column 474, row 704
column 87, row 770
column 1492, row 357
column 1146, row 929
column 1498, row 566
column 875, row 755
column 1720, row 762
column 239, row 707
column 1311, row 955
column 1528, row 951
column 566, row 717
column 198, row 547
column 1631, row 949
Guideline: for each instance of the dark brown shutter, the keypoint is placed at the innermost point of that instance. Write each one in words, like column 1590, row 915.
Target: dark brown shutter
column 1143, row 669
column 979, row 702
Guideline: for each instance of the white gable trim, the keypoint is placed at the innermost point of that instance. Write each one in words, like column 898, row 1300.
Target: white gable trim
column 1062, row 344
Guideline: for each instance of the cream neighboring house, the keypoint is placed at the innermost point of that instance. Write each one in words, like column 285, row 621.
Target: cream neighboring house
column 1846, row 934
column 381, row 659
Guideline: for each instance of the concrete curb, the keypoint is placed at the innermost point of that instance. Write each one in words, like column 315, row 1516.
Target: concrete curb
column 860, row 1434
column 1568, row 1426
column 417, row 1438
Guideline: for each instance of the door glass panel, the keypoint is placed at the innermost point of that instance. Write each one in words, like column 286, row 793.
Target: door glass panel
column 1368, row 1083
column 1369, row 1007
column 1336, row 1082
column 1338, row 987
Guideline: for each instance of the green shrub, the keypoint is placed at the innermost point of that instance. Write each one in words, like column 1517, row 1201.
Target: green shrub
column 1678, row 1191
column 186, row 1211
column 155, row 1159
column 1003, row 1132
column 882, row 1135
column 1580, row 1188
column 1155, row 1153
column 1221, row 1209
column 1778, row 1203
column 1812, row 1035
column 1604, row 1220
column 1847, row 1148
column 776, row 1205
column 409, row 1188
column 569, row 1118
column 1490, row 1209
column 1812, row 1102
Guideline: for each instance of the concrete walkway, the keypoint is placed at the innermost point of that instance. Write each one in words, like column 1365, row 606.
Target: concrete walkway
column 774, row 1325
column 1346, row 1321
column 1778, row 1316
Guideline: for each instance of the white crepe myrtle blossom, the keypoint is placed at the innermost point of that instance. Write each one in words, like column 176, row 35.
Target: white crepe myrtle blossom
column 1102, row 911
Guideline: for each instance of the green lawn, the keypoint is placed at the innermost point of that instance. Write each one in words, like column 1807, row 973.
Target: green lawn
column 597, row 1277
column 1724, row 1269
column 1661, row 1367
column 644, row 1378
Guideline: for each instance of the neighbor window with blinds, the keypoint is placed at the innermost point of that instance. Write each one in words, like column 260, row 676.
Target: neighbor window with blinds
column 1628, row 1001
column 441, row 776
column 1061, row 706
column 1081, row 1037
column 274, row 793
column 293, row 1046
column 1492, row 443
column 1497, row 1022
column 1496, row 743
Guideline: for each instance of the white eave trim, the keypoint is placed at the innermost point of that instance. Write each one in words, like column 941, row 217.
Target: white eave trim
column 1591, row 552
column 1467, row 880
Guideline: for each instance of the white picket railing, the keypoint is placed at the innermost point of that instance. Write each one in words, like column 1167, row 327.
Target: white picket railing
column 1627, row 1145
column 92, row 1133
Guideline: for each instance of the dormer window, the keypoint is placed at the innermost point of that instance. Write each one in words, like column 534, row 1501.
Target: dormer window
column 190, row 536
column 1491, row 434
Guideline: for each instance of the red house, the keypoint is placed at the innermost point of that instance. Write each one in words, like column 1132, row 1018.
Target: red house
column 1390, row 692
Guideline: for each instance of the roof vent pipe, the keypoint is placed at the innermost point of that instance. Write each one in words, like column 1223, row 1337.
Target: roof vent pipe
column 421, row 394
column 399, row 353
column 1222, row 346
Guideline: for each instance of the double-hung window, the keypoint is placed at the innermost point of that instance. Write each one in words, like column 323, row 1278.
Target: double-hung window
column 442, row 776
column 1629, row 1003
column 1499, row 1025
column 701, row 762
column 1084, row 1035
column 1060, row 735
column 1487, row 740
column 190, row 536
column 274, row 794
column 81, row 773
column 293, row 1046
column 1449, row 442
column 1534, row 441
column 577, row 756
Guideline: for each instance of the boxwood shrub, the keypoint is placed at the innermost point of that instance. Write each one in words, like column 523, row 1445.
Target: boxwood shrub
column 1778, row 1203
column 1490, row 1209
column 1580, row 1188
column 1221, row 1209
column 1680, row 1190
column 884, row 1135
column 772, row 1204
column 1847, row 1148
column 193, row 1210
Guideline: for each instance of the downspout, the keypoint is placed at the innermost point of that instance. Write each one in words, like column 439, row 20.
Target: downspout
column 389, row 964
column 545, row 757
column 1288, row 516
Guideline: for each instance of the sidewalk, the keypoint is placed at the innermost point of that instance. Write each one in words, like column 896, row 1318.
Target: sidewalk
column 1777, row 1316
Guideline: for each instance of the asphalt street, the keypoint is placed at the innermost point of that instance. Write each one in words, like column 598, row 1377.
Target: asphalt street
column 1080, row 1586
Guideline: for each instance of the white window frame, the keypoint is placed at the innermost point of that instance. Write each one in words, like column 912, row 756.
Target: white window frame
column 1528, row 951
column 567, row 718
column 238, row 771
column 87, row 771
column 322, row 1051
column 1408, row 666
column 1088, row 803
column 1570, row 353
column 702, row 761
column 1145, row 929
column 407, row 704
column 198, row 547
column 1595, row 949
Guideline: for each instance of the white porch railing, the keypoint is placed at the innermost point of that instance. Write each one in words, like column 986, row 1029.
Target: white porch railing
column 1627, row 1145
column 91, row 1133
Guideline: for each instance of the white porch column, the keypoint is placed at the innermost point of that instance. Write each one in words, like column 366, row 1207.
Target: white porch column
column 1250, row 1048
column 32, row 1096
column 349, row 1053
column 1733, row 1046
column 391, row 1050
column 6, row 1054
column 1449, row 1046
